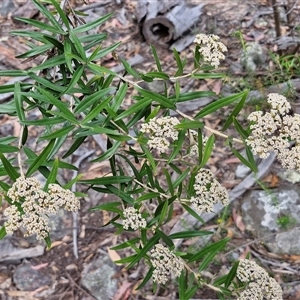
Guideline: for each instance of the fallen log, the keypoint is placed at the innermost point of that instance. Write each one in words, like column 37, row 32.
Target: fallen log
column 166, row 22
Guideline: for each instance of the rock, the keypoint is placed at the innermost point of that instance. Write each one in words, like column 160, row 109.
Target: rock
column 28, row 279
column 290, row 176
column 10, row 253
column 6, row 7
column 97, row 278
column 262, row 212
column 252, row 57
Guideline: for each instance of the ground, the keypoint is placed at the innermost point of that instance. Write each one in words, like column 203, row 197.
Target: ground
column 233, row 21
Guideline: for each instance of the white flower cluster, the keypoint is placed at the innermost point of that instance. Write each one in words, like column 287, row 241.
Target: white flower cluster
column 211, row 48
column 208, row 192
column 260, row 286
column 133, row 219
column 165, row 262
column 274, row 130
column 36, row 205
column 160, row 131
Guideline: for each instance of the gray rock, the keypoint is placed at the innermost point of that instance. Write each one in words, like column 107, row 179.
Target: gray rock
column 28, row 279
column 97, row 278
column 10, row 253
column 6, row 7
column 261, row 212
column 252, row 57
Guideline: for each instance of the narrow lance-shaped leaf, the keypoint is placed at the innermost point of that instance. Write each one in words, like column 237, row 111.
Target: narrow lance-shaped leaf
column 235, row 111
column 11, row 172
column 41, row 158
column 53, row 174
column 207, row 150
column 218, row 104
column 159, row 68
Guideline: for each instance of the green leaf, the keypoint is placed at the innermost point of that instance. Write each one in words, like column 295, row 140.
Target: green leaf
column 193, row 213
column 192, row 96
column 208, row 75
column 119, row 193
column 235, row 111
column 91, row 25
column 180, row 178
column 110, row 206
column 40, row 159
column 159, row 68
column 189, row 234
column 217, row 246
column 165, row 238
column 177, row 90
column 2, row 232
column 13, row 73
column 243, row 133
column 185, row 124
column 67, row 53
column 53, row 174
column 178, row 62
column 78, row 46
column 126, row 244
column 74, row 146
column 109, row 153
column 75, row 78
column 58, row 133
column 8, row 148
column 244, row 160
column 100, row 70
column 7, row 140
column 36, row 51
column 164, row 101
column 251, row 158
column 148, row 196
column 108, row 180
column 96, row 110
column 65, row 112
column 207, row 150
column 129, row 68
column 48, row 15
column 144, row 251
column 146, row 278
column 136, row 107
column 231, row 275
column 40, row 25
column 119, row 97
column 169, row 181
column 190, row 293
column 44, row 122
column 8, row 108
column 163, row 210
column 218, row 104
column 178, row 146
column 158, row 75
column 49, row 63
column 61, row 13
column 91, row 99
column 107, row 50
column 11, row 172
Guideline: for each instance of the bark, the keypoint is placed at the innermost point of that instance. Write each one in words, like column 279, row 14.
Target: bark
column 166, row 22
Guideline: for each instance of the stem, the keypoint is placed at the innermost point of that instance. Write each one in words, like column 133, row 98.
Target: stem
column 210, row 129
column 150, row 189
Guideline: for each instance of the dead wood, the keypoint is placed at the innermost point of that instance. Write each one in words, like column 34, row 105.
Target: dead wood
column 167, row 21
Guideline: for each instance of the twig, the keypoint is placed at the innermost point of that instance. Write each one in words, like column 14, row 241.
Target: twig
column 80, row 288
column 73, row 189
column 276, row 18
